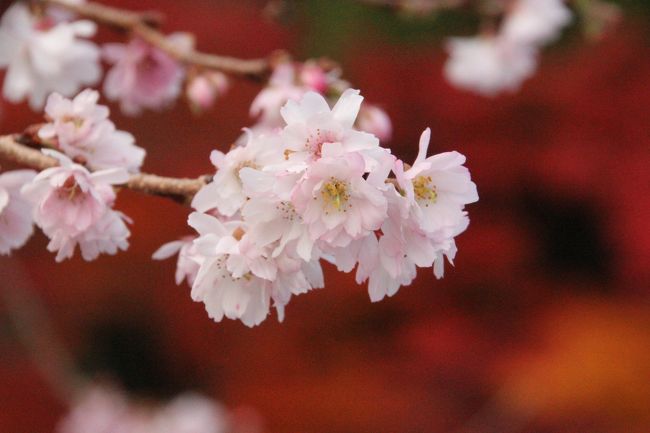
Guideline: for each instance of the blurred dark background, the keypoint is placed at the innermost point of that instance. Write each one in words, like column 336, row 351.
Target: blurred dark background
column 542, row 326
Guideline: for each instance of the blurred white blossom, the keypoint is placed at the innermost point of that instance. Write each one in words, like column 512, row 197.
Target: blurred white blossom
column 42, row 55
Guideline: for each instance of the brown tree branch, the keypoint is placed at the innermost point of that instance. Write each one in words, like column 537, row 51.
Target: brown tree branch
column 139, row 24
column 179, row 189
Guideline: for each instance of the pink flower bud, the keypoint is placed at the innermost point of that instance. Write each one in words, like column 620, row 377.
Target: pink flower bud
column 374, row 120
column 314, row 77
column 204, row 89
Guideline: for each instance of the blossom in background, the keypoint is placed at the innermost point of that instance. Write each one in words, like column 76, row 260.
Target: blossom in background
column 99, row 409
column 192, row 413
column 73, row 207
column 102, row 409
column 15, row 211
column 282, row 87
column 43, row 56
column 289, row 82
column 81, row 129
column 536, row 22
column 490, row 65
column 143, row 76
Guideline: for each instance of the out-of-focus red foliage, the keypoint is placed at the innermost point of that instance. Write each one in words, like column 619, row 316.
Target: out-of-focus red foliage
column 542, row 326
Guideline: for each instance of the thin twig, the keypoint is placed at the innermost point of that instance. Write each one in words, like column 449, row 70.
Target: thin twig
column 139, row 24
column 179, row 189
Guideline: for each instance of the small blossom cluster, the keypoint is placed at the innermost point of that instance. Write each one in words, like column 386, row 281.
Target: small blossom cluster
column 107, row 410
column 70, row 204
column 491, row 64
column 50, row 51
column 81, row 129
column 318, row 188
column 73, row 206
column 143, row 76
column 291, row 80
column 43, row 54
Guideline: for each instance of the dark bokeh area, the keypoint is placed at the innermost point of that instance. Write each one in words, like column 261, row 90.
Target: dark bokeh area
column 542, row 326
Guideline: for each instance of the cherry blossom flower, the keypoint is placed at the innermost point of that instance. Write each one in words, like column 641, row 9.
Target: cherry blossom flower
column 187, row 265
column 225, row 193
column 228, row 281
column 43, row 56
column 424, row 214
column 15, row 211
column 385, row 263
column 336, row 202
column 142, row 75
column 294, row 277
column 81, row 129
column 73, row 206
column 437, row 187
column 311, row 124
column 274, row 220
column 107, row 236
column 489, row 64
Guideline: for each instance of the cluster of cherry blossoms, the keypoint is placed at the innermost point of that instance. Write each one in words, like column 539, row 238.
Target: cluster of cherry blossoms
column 308, row 182
column 318, row 188
column 107, row 410
column 50, row 51
column 491, row 64
column 70, row 204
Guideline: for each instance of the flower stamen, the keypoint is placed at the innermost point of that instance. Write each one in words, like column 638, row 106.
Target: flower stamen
column 335, row 194
column 424, row 190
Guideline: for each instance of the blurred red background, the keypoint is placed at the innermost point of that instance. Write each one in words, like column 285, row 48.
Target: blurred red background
column 542, row 326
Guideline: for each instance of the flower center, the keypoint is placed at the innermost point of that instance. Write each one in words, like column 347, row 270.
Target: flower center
column 425, row 190
column 314, row 143
column 75, row 120
column 44, row 24
column 335, row 195
column 287, row 210
column 70, row 190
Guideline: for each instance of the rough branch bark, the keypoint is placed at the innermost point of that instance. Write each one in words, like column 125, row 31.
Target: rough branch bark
column 179, row 189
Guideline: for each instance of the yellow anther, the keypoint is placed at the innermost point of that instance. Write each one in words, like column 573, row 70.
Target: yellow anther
column 424, row 189
column 335, row 194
